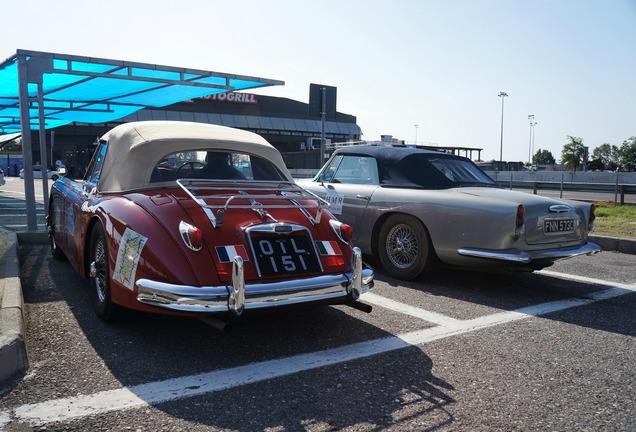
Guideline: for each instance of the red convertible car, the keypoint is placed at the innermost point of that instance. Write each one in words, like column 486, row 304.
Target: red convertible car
column 198, row 219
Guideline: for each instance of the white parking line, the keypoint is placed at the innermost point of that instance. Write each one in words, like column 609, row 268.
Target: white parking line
column 69, row 408
column 586, row 279
column 13, row 192
column 406, row 309
column 5, row 200
column 23, row 225
column 36, row 193
column 21, row 214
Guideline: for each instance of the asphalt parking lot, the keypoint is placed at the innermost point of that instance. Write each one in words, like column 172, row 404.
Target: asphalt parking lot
column 455, row 351
column 458, row 350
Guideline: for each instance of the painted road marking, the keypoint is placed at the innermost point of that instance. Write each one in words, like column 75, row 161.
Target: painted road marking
column 585, row 279
column 406, row 309
column 22, row 214
column 69, row 408
column 23, row 226
column 22, row 194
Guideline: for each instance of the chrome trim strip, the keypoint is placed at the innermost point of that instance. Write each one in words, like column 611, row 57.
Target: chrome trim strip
column 516, row 256
column 208, row 299
column 272, row 190
column 355, row 288
column 560, row 208
column 301, row 208
column 519, row 257
column 202, row 203
column 271, row 228
column 236, row 301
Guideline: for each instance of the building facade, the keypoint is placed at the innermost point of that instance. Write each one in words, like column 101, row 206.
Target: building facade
column 294, row 128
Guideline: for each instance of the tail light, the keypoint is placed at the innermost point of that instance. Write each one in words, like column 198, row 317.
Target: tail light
column 590, row 222
column 520, row 221
column 191, row 235
column 333, row 261
column 342, row 230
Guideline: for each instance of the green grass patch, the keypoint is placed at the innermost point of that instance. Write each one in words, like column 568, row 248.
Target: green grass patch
column 615, row 221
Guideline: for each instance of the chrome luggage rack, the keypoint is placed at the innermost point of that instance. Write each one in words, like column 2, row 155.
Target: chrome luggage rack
column 278, row 190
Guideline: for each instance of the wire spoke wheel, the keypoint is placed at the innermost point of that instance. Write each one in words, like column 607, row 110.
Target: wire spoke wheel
column 100, row 276
column 405, row 248
column 402, row 246
column 55, row 248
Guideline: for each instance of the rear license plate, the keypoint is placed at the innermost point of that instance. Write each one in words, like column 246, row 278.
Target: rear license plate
column 281, row 255
column 558, row 226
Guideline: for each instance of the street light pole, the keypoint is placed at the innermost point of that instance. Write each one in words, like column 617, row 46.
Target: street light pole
column 415, row 134
column 531, row 118
column 533, row 132
column 502, row 95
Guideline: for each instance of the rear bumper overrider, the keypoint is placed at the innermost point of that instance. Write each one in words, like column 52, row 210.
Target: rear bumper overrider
column 338, row 288
column 545, row 255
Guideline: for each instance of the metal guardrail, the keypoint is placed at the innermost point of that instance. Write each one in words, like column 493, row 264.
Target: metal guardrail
column 619, row 190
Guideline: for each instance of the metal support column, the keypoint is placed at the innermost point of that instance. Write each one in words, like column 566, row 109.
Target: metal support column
column 27, row 153
column 323, row 114
column 43, row 155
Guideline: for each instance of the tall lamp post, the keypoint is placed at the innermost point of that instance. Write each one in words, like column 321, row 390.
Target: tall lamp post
column 533, row 126
column 415, row 134
column 502, row 95
column 531, row 118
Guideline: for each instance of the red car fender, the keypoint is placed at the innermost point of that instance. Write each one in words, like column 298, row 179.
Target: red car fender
column 157, row 253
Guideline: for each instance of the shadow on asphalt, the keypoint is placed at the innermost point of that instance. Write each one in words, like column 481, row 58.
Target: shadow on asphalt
column 501, row 291
column 379, row 390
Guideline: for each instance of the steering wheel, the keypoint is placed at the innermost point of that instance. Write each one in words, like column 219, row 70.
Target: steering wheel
column 193, row 166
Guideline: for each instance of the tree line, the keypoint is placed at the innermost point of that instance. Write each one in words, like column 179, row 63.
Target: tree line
column 575, row 156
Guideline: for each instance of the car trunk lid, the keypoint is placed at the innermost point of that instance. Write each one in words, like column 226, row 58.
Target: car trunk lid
column 546, row 220
column 274, row 226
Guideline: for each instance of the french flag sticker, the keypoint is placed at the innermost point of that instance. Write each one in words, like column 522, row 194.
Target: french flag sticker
column 227, row 253
column 328, row 248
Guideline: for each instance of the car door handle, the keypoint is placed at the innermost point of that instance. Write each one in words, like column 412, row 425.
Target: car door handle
column 363, row 197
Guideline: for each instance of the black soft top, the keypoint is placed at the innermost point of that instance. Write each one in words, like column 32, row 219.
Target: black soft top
column 409, row 167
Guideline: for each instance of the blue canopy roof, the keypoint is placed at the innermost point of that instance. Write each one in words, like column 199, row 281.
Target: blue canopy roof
column 56, row 89
column 92, row 90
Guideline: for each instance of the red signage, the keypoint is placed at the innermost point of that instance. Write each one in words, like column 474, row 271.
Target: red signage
column 241, row 98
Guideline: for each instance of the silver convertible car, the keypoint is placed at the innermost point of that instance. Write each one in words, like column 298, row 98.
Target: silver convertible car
column 413, row 208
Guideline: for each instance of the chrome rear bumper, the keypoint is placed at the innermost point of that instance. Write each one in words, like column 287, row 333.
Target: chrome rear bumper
column 240, row 296
column 519, row 257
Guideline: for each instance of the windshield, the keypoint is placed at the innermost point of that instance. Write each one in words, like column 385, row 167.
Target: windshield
column 351, row 169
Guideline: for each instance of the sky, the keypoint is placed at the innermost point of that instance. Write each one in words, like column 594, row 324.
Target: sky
column 425, row 71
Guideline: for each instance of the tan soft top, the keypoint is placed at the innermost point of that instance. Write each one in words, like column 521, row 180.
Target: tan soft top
column 134, row 149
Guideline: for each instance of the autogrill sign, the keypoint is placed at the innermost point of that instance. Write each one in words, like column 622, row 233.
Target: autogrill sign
column 242, row 98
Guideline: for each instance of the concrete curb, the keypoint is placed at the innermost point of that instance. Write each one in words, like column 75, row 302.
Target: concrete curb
column 13, row 354
column 626, row 246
